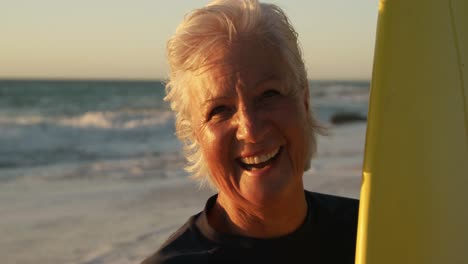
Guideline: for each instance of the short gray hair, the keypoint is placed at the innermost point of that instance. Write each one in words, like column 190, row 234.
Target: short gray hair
column 220, row 23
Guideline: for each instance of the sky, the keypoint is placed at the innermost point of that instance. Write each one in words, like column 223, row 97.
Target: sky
column 122, row 39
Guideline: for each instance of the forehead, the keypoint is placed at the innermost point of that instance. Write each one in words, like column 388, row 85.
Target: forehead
column 243, row 64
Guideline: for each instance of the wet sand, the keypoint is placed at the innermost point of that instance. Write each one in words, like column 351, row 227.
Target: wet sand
column 123, row 221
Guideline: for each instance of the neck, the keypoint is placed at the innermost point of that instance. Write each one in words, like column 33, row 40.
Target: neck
column 271, row 219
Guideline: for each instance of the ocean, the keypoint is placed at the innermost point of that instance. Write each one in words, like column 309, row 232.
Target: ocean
column 120, row 129
column 91, row 171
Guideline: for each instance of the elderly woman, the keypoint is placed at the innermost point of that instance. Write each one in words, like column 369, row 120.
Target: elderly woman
column 239, row 88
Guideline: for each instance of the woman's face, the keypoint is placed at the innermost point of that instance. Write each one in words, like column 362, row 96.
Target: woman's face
column 250, row 125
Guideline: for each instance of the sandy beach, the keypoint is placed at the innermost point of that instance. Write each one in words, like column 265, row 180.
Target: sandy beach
column 52, row 219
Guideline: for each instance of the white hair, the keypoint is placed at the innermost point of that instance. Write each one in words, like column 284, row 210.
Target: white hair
column 219, row 24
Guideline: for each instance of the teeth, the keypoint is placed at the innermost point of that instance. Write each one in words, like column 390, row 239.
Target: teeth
column 259, row 159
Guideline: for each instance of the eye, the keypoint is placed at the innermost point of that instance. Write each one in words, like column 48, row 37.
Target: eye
column 218, row 111
column 270, row 93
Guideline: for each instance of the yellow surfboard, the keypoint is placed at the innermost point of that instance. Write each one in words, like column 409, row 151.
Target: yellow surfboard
column 414, row 194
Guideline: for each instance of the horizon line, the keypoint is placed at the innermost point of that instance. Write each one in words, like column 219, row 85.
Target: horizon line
column 143, row 79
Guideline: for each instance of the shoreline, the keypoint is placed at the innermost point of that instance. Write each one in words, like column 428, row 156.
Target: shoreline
column 124, row 220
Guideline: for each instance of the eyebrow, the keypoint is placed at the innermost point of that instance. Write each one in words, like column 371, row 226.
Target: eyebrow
column 212, row 99
column 269, row 77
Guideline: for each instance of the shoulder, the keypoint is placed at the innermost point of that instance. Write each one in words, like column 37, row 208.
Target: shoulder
column 188, row 244
column 335, row 220
column 334, row 214
column 183, row 245
column 334, row 205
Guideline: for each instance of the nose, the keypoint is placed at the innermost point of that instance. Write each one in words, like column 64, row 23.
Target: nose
column 251, row 128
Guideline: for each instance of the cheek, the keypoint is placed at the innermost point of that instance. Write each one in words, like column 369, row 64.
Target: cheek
column 292, row 121
column 209, row 142
column 216, row 144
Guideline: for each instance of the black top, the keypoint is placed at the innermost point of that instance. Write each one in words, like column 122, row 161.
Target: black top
column 328, row 235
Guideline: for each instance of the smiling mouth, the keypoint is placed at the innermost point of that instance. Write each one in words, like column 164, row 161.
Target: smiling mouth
column 259, row 162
